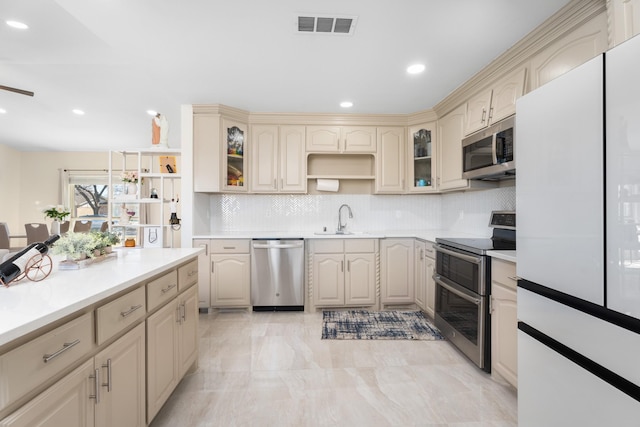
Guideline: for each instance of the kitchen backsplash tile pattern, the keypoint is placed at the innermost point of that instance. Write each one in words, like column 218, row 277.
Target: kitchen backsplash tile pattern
column 464, row 212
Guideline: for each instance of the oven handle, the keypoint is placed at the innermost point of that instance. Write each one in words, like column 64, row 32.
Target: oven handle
column 461, row 294
column 469, row 258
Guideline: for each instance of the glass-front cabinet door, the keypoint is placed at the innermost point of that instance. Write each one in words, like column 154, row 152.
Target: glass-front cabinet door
column 421, row 167
column 234, row 157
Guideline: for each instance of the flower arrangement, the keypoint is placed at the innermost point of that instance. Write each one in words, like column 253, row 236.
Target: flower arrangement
column 130, row 177
column 58, row 213
column 78, row 246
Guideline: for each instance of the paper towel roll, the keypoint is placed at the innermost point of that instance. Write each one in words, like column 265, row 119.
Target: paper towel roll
column 328, row 185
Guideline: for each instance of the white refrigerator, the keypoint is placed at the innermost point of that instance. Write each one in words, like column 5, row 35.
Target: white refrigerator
column 578, row 209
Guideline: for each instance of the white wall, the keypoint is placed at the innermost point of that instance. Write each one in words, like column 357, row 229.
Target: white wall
column 38, row 182
column 465, row 212
column 10, row 186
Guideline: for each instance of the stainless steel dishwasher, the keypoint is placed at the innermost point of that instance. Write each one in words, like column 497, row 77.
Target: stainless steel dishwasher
column 277, row 274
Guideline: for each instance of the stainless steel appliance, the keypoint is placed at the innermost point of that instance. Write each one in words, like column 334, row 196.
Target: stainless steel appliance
column 463, row 278
column 277, row 274
column 489, row 154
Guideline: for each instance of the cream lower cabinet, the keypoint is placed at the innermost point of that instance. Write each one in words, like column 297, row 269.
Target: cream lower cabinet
column 424, row 266
column 397, row 271
column 172, row 347
column 108, row 390
column 504, row 320
column 230, row 273
column 343, row 272
column 430, row 267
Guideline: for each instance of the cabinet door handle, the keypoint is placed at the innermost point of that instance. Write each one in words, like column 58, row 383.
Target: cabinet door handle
column 206, row 248
column 168, row 288
column 275, row 183
column 484, row 113
column 228, row 247
column 131, row 310
column 108, row 383
column 212, row 268
column 178, row 315
column 96, row 386
column 421, row 254
column 66, row 346
column 490, row 113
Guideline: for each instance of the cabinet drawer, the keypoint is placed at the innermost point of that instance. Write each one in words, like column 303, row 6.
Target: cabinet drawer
column 230, row 246
column 162, row 289
column 115, row 316
column 33, row 363
column 328, row 246
column 504, row 272
column 187, row 275
column 429, row 251
column 359, row 245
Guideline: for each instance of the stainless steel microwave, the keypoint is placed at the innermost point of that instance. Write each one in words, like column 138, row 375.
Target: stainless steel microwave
column 489, row 154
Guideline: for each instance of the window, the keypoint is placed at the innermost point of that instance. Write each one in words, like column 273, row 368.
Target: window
column 87, row 193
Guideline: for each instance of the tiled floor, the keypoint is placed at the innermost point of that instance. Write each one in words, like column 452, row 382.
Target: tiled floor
column 272, row 369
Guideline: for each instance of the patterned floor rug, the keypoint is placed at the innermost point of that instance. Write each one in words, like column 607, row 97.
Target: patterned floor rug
column 376, row 325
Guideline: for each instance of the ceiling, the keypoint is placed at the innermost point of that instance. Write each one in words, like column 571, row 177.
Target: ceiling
column 116, row 59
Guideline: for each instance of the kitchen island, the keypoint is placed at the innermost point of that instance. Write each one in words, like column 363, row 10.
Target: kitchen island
column 131, row 319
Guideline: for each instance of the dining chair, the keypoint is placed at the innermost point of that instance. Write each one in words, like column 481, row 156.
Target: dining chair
column 36, row 232
column 4, row 236
column 64, row 227
column 105, row 226
column 82, row 226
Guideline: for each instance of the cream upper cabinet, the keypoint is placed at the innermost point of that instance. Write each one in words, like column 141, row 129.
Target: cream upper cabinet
column 278, row 159
column 421, row 164
column 390, row 160
column 396, row 271
column 219, row 154
column 450, row 134
column 572, row 50
column 624, row 19
column 495, row 104
column 504, row 320
column 341, row 139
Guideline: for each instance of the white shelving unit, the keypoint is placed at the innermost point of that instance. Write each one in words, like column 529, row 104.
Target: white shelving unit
column 149, row 226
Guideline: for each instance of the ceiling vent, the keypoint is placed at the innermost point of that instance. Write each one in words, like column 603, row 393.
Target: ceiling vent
column 337, row 25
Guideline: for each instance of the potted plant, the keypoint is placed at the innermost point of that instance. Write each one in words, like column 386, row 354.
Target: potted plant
column 108, row 239
column 76, row 246
column 57, row 214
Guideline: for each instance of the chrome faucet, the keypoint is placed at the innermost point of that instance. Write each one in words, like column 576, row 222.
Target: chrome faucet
column 341, row 227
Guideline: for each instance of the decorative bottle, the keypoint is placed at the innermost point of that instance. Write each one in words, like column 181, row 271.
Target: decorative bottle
column 11, row 268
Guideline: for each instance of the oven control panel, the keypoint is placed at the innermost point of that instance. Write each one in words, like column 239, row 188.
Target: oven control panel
column 503, row 219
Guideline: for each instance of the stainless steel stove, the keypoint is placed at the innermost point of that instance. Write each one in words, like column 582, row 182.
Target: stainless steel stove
column 463, row 290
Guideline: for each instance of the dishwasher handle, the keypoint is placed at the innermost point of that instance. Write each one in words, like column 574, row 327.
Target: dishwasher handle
column 278, row 246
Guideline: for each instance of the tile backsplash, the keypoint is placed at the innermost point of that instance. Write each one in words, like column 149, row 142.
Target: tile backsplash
column 464, row 212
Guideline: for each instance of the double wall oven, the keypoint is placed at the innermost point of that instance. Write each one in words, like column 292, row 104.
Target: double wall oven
column 463, row 287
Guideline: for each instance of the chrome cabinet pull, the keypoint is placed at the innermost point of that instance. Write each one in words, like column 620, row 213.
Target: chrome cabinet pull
column 212, row 268
column 228, row 247
column 96, row 386
column 206, row 248
column 108, row 383
column 484, row 113
column 66, row 346
column 183, row 310
column 275, row 183
column 168, row 288
column 131, row 310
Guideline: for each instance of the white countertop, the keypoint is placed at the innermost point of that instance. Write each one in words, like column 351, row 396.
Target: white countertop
column 503, row 255
column 26, row 306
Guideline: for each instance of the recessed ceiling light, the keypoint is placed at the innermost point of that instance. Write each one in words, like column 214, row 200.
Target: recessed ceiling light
column 78, row 112
column 346, row 104
column 415, row 68
column 152, row 112
column 18, row 25
column 3, row 111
